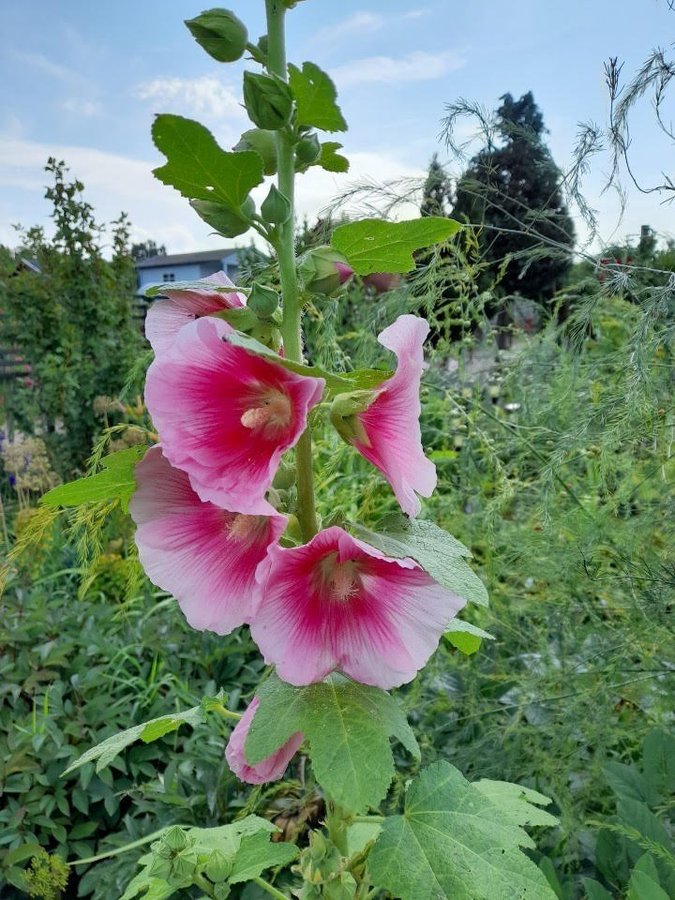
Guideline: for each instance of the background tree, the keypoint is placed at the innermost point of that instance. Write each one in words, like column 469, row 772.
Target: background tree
column 437, row 191
column 146, row 249
column 72, row 321
column 512, row 188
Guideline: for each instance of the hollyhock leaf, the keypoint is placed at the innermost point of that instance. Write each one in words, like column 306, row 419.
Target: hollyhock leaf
column 336, row 384
column 330, row 159
column 347, row 726
column 453, row 843
column 159, row 290
column 115, row 482
column 520, row 805
column 466, row 637
column 373, row 245
column 594, row 890
column 315, row 95
column 198, row 168
column 107, row 750
column 437, row 551
column 257, row 853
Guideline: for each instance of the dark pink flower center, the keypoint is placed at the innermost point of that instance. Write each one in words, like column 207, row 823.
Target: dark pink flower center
column 270, row 411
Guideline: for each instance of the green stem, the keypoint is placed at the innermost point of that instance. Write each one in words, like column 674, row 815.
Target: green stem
column 266, row 886
column 204, row 884
column 119, row 850
column 291, row 329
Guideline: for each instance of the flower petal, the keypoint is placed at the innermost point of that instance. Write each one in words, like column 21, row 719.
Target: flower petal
column 339, row 603
column 391, row 422
column 165, row 318
column 203, row 555
column 225, row 416
column 270, row 769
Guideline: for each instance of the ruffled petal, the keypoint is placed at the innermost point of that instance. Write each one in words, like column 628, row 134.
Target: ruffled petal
column 203, row 555
column 391, row 422
column 225, row 416
column 270, row 769
column 337, row 603
column 165, row 318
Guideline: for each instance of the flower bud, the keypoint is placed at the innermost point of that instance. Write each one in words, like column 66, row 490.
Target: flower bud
column 323, row 271
column 264, row 144
column 268, row 100
column 175, row 839
column 275, row 208
column 307, row 150
column 220, row 33
column 381, row 282
column 224, row 220
column 344, row 412
column 263, row 301
column 217, row 867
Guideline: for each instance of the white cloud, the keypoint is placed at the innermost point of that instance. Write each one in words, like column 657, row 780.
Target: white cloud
column 45, row 65
column 357, row 24
column 206, row 96
column 78, row 106
column 417, row 66
column 114, row 182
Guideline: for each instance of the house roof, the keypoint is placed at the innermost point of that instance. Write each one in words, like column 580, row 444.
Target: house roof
column 180, row 259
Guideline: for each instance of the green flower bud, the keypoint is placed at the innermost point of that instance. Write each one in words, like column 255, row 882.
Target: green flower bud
column 268, row 100
column 344, row 412
column 307, row 151
column 175, row 839
column 220, row 33
column 221, row 891
column 263, row 301
column 275, row 208
column 218, row 867
column 341, row 888
column 263, row 143
column 285, row 478
column 323, row 271
column 224, row 220
column 184, row 865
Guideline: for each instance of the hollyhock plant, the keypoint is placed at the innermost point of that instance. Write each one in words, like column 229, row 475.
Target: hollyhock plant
column 270, row 769
column 338, row 603
column 166, row 317
column 204, row 555
column 386, row 429
column 225, row 416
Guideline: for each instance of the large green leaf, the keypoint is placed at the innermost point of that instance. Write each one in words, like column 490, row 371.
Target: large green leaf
column 373, row 245
column 627, row 782
column 107, row 750
column 453, row 843
column 244, row 844
column 439, row 553
column 315, row 95
column 158, row 290
column 115, row 482
column 198, row 168
column 347, row 726
column 465, row 636
column 360, row 379
column 519, row 805
column 594, row 890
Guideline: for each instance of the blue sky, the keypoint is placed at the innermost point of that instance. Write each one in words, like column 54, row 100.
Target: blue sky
column 82, row 80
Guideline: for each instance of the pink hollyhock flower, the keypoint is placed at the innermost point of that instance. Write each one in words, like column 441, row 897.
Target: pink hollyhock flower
column 225, row 416
column 381, row 282
column 388, row 432
column 203, row 555
column 165, row 318
column 270, row 769
column 337, row 603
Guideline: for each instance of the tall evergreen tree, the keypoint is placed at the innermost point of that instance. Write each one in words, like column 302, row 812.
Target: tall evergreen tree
column 512, row 188
column 437, row 192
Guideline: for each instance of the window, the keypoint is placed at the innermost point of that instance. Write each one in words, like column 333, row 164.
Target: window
column 168, row 276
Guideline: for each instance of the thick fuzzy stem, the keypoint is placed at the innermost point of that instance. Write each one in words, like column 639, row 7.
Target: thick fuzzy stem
column 291, row 328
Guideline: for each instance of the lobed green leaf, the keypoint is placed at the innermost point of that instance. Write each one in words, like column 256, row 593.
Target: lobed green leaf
column 115, row 482
column 198, row 168
column 347, row 726
column 453, row 843
column 315, row 97
column 373, row 245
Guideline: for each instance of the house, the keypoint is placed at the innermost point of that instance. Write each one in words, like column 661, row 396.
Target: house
column 186, row 267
